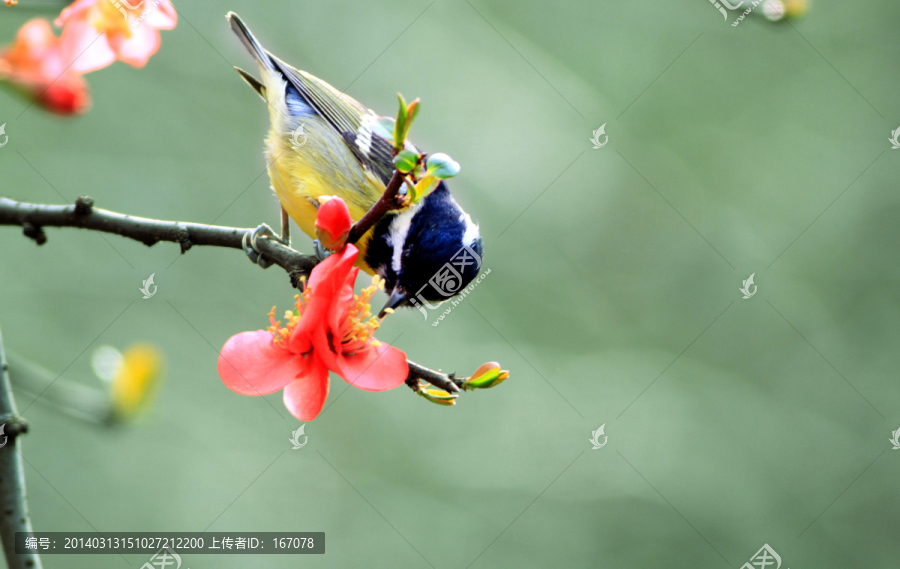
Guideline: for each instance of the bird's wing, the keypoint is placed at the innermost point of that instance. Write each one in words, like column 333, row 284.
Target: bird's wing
column 352, row 121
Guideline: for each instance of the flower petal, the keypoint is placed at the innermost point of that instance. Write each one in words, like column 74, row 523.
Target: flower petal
column 332, row 272
column 162, row 17
column 252, row 364
column 35, row 59
column 137, row 49
column 75, row 10
column 374, row 369
column 89, row 48
column 327, row 285
column 36, row 38
column 305, row 396
column 339, row 310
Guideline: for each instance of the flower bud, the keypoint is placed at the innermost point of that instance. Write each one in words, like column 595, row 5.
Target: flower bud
column 333, row 222
column 441, row 166
column 488, row 375
column 438, row 396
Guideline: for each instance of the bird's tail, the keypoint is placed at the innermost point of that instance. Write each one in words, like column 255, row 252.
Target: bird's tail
column 256, row 49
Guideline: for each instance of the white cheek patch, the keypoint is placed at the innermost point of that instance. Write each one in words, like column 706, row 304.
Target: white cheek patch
column 398, row 231
column 471, row 233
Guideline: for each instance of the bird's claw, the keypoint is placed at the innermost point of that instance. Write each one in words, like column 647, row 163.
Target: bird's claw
column 320, row 251
column 249, row 244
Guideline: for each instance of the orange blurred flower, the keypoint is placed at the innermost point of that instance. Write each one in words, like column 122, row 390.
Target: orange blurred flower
column 37, row 64
column 99, row 32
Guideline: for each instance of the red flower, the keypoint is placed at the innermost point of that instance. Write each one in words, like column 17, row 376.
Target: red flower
column 331, row 329
column 99, row 32
column 37, row 64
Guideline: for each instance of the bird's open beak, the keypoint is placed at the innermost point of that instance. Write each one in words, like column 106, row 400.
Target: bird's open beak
column 399, row 297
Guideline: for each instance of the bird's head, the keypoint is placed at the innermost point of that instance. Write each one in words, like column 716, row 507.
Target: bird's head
column 427, row 253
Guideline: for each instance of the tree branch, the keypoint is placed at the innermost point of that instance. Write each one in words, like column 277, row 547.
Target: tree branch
column 13, row 506
column 34, row 217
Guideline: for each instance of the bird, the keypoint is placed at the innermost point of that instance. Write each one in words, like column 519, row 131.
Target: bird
column 425, row 253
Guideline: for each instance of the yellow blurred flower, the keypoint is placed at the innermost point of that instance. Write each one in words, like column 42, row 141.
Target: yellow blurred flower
column 135, row 381
column 796, row 8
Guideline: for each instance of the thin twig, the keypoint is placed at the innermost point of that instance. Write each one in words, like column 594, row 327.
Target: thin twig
column 385, row 203
column 440, row 380
column 72, row 398
column 13, row 506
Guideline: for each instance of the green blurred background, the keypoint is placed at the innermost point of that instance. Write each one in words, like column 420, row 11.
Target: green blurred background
column 613, row 295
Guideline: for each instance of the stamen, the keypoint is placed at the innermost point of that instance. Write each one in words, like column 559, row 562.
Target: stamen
column 358, row 328
column 280, row 333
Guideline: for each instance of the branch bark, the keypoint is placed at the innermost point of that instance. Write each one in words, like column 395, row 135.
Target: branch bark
column 13, row 506
column 34, row 217
column 440, row 380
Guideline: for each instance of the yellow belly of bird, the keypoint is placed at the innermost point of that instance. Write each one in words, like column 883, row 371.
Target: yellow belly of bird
column 320, row 168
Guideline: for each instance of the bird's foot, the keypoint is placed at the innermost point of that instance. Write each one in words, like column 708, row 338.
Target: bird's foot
column 249, row 243
column 320, row 251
